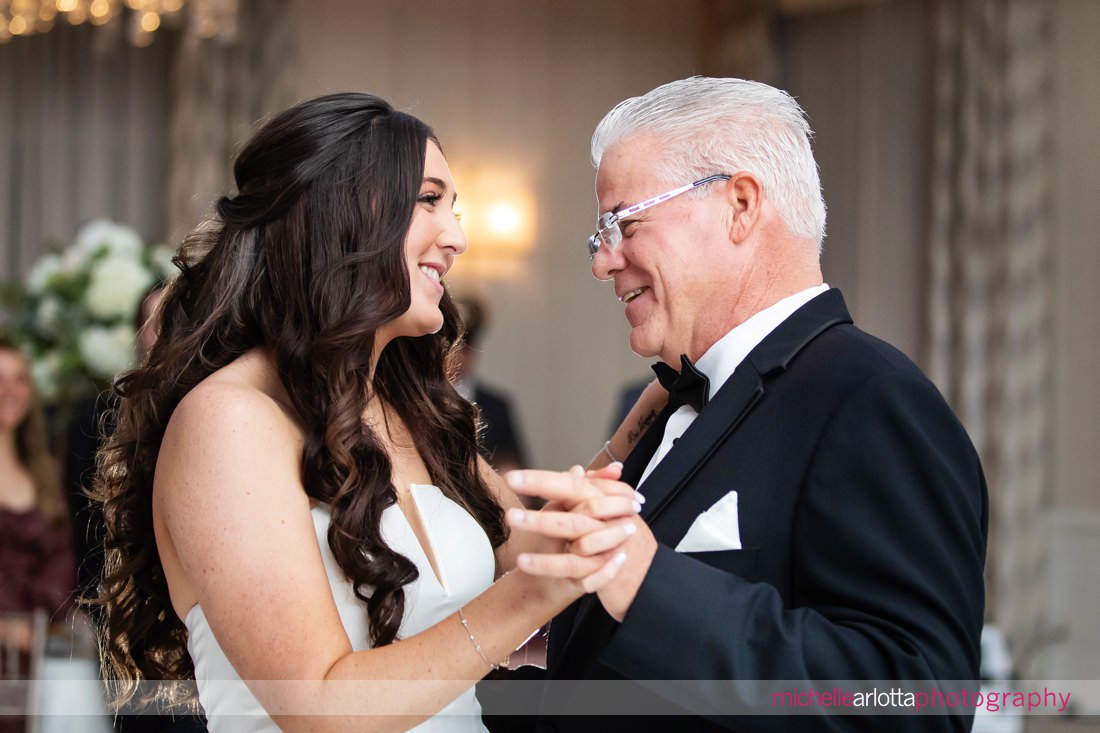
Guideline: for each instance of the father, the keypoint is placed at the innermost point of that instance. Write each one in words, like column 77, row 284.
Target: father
column 814, row 510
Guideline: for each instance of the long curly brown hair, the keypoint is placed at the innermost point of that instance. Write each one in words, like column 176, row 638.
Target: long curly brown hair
column 308, row 261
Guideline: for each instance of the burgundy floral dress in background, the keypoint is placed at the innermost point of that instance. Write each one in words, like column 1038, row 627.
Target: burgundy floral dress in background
column 36, row 571
column 36, row 564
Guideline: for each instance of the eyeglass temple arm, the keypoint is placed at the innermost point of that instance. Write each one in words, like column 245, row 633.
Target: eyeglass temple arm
column 667, row 195
column 623, row 213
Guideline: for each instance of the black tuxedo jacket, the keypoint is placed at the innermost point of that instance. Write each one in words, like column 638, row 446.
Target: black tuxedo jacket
column 863, row 520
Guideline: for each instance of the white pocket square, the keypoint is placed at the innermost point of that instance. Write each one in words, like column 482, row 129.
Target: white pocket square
column 714, row 530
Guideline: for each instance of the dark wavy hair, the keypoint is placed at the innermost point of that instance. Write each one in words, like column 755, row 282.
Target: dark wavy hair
column 308, row 261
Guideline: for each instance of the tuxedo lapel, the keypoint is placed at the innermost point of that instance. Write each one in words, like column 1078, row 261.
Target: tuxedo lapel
column 719, row 419
column 736, row 398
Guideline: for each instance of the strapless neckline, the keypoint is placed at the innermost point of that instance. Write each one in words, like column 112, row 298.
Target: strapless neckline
column 424, row 506
column 467, row 567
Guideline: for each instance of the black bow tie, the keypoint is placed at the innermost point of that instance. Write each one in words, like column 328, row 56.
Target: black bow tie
column 688, row 387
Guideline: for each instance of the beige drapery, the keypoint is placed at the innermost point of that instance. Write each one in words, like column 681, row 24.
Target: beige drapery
column 93, row 127
column 221, row 91
column 987, row 336
column 988, row 341
column 738, row 40
column 83, row 120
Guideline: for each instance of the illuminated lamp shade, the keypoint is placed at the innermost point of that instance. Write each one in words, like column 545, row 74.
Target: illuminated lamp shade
column 498, row 215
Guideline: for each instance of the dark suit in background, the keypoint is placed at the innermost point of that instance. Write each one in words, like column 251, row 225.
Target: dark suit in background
column 629, row 395
column 80, row 451
column 500, row 440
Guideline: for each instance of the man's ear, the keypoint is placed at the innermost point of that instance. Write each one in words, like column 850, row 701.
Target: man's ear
column 744, row 194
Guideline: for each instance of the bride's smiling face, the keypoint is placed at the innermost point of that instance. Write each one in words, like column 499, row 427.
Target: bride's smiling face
column 434, row 240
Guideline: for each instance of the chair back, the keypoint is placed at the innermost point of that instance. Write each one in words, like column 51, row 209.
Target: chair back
column 22, row 651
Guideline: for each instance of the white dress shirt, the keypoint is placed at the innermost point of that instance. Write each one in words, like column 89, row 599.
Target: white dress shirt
column 722, row 358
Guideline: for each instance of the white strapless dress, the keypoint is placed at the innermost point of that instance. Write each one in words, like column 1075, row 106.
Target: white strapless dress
column 466, row 563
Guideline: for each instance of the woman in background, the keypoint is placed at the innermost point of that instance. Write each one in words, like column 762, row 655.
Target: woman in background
column 35, row 552
column 36, row 560
column 292, row 490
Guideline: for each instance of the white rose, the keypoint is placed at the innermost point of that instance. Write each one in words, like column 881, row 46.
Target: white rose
column 116, row 287
column 44, row 269
column 161, row 259
column 93, row 234
column 107, row 351
column 118, row 239
column 45, row 371
column 74, row 259
column 48, row 314
column 125, row 241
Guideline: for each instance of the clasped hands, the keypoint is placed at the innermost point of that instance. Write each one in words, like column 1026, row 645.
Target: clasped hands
column 590, row 531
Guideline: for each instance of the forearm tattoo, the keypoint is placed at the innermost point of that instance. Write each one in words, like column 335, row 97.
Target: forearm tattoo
column 644, row 422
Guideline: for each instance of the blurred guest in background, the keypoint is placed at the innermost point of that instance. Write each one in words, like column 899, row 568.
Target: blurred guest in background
column 499, row 441
column 147, row 326
column 85, row 437
column 35, row 552
column 81, row 446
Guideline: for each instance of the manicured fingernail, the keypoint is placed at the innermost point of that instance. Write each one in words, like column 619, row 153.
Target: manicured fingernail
column 524, row 561
column 629, row 529
column 637, row 507
column 516, row 516
column 576, row 470
column 638, row 497
column 515, row 479
column 616, row 463
column 619, row 559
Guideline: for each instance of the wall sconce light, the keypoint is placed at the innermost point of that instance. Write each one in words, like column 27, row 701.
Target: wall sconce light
column 498, row 216
column 505, row 220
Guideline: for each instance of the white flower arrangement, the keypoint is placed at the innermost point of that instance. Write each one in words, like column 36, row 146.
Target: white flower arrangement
column 76, row 312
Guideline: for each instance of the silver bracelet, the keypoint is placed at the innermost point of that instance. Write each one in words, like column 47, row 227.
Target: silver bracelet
column 477, row 647
column 607, row 450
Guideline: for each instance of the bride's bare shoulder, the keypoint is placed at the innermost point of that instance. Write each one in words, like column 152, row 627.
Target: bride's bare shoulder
column 246, row 394
column 227, row 485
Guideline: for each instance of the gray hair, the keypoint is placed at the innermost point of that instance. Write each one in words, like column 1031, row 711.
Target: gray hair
column 709, row 126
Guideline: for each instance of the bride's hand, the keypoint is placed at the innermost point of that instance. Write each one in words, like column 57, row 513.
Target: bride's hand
column 583, row 485
column 589, row 518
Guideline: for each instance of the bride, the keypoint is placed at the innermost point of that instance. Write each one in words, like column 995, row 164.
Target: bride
column 292, row 490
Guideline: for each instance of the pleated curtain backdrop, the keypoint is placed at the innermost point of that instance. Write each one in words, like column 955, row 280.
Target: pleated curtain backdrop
column 221, row 92
column 83, row 123
column 989, row 334
column 91, row 126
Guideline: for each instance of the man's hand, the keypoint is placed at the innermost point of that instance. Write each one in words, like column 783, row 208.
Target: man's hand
column 598, row 517
column 617, row 595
